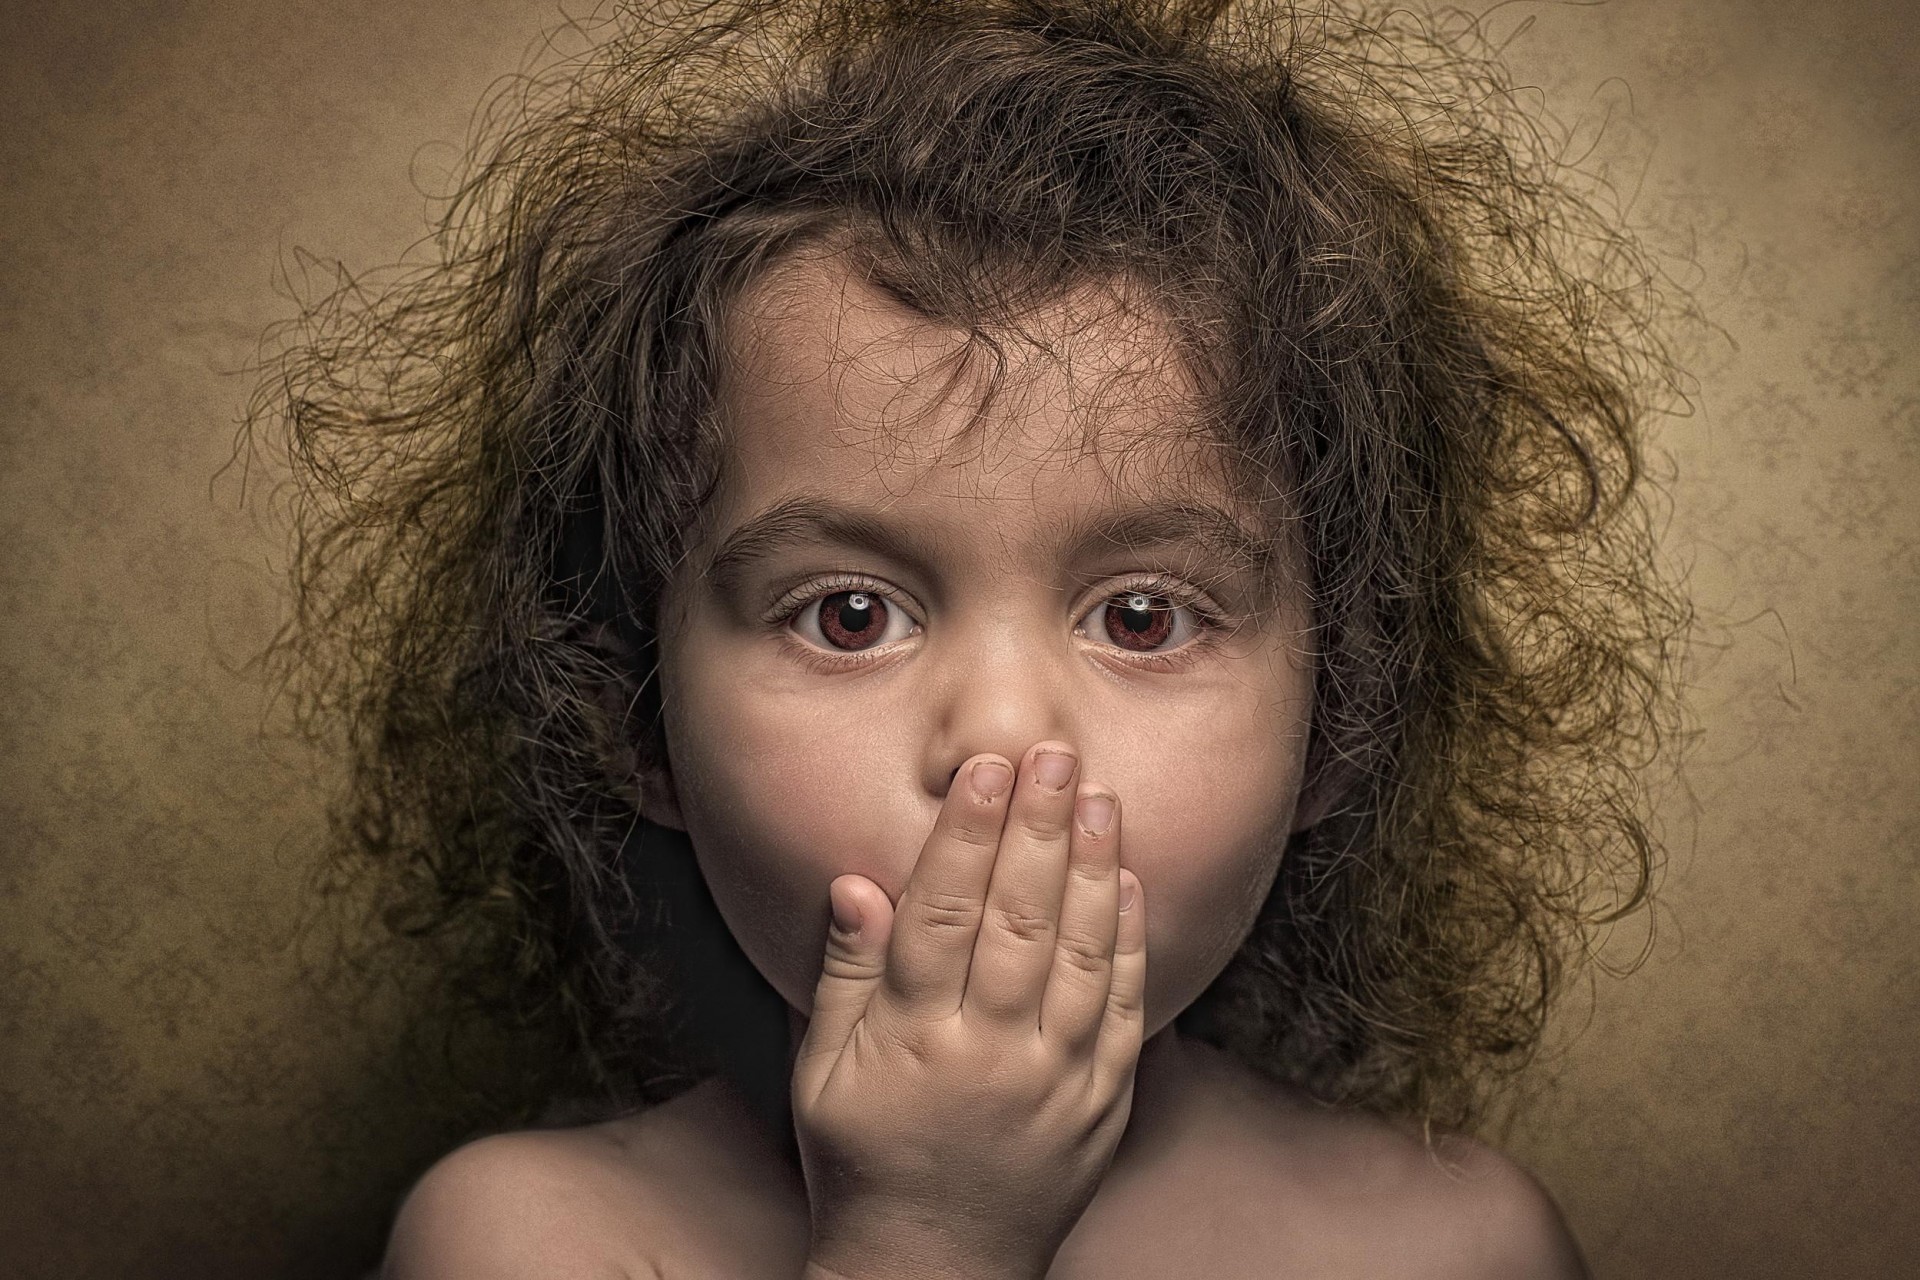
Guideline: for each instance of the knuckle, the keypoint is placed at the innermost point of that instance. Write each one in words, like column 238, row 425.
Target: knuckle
column 1085, row 955
column 997, row 1010
column 944, row 912
column 976, row 830
column 1042, row 823
column 846, row 967
column 1023, row 922
column 1090, row 874
column 1042, row 1060
column 903, row 986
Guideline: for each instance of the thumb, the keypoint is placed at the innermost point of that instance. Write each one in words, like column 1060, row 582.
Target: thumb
column 855, row 961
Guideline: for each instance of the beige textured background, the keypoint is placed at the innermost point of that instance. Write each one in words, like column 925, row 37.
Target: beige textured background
column 179, row 1097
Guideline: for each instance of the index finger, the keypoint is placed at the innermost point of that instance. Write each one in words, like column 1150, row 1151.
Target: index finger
column 938, row 915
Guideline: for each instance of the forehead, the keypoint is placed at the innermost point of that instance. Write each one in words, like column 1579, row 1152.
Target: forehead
column 832, row 384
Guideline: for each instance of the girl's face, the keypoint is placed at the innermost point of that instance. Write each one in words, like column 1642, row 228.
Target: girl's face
column 912, row 560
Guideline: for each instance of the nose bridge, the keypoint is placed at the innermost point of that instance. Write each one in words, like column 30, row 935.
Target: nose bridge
column 1000, row 685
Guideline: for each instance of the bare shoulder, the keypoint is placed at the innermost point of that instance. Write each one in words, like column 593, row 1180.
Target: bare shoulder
column 683, row 1189
column 520, row 1206
column 1460, row 1208
column 1368, row 1196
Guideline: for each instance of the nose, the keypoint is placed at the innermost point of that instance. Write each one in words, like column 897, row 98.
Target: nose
column 999, row 690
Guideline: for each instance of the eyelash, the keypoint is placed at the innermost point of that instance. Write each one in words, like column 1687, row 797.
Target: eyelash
column 1210, row 623
column 788, row 607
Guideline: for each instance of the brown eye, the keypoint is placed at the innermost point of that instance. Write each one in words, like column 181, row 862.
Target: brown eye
column 1138, row 621
column 852, row 619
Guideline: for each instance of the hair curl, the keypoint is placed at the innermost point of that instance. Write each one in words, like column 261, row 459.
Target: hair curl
column 1404, row 306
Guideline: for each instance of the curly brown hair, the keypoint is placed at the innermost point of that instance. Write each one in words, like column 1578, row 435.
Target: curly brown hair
column 1398, row 300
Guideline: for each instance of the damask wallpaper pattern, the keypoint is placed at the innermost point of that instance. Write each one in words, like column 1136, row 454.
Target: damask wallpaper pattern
column 182, row 1094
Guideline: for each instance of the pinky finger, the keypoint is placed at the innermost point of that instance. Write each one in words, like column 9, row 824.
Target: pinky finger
column 1121, row 1030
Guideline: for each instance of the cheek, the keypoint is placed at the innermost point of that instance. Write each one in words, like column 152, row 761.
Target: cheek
column 779, row 797
column 1200, row 905
column 1207, row 816
column 780, row 793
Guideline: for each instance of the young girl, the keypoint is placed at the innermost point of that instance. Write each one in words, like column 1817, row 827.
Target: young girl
column 1108, row 531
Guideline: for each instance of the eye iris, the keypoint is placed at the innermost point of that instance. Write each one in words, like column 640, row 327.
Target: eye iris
column 1139, row 621
column 853, row 619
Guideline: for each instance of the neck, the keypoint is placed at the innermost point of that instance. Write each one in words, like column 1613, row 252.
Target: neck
column 1162, row 1086
column 762, row 1085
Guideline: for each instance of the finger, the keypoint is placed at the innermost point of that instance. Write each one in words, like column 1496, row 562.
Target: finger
column 1014, row 951
column 1076, row 995
column 852, row 970
column 938, row 915
column 1126, row 1013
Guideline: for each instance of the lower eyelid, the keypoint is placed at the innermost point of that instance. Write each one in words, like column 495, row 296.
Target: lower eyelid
column 830, row 661
column 1155, row 661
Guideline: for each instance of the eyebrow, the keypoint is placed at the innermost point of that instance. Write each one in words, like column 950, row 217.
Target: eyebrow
column 808, row 517
column 1215, row 532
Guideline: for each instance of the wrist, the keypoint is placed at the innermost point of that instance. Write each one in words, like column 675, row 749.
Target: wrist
column 888, row 1269
column 913, row 1257
column 904, row 1241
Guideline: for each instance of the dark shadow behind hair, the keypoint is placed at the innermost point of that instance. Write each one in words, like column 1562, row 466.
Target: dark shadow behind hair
column 1407, row 320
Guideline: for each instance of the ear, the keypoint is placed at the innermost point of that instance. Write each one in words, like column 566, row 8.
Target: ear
column 1321, row 795
column 1309, row 808
column 657, row 800
column 634, row 754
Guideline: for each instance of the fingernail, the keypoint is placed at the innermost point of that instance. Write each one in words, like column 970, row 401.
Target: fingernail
column 1095, row 812
column 1052, row 769
column 1127, row 888
column 990, row 779
column 846, row 917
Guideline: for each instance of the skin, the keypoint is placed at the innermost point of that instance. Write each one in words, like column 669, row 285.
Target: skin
column 986, row 999
column 787, row 775
column 968, row 1063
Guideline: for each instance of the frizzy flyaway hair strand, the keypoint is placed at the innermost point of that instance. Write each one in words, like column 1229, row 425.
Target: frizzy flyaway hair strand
column 1405, row 315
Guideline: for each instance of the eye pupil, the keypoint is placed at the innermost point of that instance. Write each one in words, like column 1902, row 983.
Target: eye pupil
column 1139, row 621
column 852, row 619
